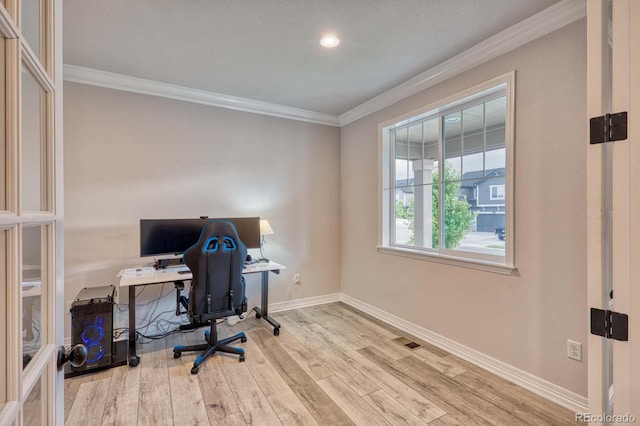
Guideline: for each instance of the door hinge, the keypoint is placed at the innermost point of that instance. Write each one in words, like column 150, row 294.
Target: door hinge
column 609, row 324
column 608, row 128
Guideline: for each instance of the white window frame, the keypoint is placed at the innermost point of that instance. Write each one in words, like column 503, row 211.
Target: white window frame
column 497, row 264
column 499, row 192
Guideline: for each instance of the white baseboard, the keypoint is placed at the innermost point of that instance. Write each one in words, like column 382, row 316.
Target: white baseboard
column 303, row 303
column 544, row 388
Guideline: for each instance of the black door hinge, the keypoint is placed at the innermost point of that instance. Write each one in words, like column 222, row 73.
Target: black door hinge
column 612, row 325
column 608, row 128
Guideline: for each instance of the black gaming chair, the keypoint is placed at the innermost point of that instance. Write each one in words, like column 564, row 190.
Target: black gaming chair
column 217, row 287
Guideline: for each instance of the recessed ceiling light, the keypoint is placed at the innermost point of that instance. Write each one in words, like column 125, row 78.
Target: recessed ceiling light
column 329, row 40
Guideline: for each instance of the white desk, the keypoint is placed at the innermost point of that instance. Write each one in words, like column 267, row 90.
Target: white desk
column 170, row 275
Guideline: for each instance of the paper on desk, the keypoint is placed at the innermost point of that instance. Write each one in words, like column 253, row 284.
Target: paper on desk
column 138, row 272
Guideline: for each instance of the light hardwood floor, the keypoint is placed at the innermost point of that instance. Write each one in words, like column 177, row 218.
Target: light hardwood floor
column 331, row 365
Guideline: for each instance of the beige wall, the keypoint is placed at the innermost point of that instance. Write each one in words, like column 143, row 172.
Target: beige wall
column 131, row 156
column 525, row 319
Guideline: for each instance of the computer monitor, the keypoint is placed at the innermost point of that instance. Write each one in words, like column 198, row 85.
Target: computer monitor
column 174, row 236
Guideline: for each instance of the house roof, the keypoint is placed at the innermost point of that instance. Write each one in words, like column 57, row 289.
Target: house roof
column 405, row 185
column 473, row 179
column 470, row 179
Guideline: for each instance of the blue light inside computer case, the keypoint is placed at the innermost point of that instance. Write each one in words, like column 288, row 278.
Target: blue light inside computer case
column 92, row 338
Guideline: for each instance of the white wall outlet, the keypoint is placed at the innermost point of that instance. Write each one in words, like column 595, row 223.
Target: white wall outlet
column 297, row 279
column 574, row 350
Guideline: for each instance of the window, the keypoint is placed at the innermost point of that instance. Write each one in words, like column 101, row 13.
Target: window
column 34, row 143
column 34, row 290
column 4, row 247
column 32, row 23
column 447, row 180
column 496, row 192
column 3, row 125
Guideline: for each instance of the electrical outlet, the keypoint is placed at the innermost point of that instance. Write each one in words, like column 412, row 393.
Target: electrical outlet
column 574, row 350
column 297, row 279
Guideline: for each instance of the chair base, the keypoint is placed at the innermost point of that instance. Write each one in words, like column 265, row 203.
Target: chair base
column 212, row 346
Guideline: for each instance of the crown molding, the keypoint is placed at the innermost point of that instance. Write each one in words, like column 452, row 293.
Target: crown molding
column 94, row 77
column 536, row 26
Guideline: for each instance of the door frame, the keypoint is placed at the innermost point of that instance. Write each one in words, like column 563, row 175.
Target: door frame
column 613, row 196
column 46, row 69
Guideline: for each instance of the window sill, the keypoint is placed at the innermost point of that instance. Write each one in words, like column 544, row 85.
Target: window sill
column 496, row 268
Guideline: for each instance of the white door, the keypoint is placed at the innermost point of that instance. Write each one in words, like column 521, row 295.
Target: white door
column 613, row 187
column 31, row 280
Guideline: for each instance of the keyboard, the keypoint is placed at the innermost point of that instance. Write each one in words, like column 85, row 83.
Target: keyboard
column 179, row 270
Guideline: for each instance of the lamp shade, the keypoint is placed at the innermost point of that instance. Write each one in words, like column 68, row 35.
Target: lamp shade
column 265, row 228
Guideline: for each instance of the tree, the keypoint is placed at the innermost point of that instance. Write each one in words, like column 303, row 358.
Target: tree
column 457, row 213
column 401, row 210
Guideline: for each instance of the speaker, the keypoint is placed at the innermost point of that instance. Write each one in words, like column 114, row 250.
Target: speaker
column 92, row 326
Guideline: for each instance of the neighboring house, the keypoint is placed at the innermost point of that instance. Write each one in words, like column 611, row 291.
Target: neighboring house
column 404, row 191
column 485, row 194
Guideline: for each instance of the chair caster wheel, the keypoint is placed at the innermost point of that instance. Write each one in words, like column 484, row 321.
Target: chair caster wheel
column 241, row 359
column 243, row 339
column 194, row 370
column 134, row 361
column 177, row 354
column 276, row 331
column 258, row 315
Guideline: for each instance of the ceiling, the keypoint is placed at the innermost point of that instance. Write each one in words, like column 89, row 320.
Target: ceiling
column 267, row 50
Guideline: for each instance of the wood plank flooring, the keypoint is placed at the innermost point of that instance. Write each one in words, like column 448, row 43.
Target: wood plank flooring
column 331, row 365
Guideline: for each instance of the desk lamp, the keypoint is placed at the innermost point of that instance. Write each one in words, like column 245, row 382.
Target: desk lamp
column 265, row 229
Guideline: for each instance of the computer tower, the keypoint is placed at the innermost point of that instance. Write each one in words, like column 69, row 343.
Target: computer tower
column 92, row 326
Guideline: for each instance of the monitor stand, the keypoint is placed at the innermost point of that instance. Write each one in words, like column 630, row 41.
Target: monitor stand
column 173, row 261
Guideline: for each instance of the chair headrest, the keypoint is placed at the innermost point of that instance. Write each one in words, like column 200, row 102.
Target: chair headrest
column 212, row 244
column 218, row 235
